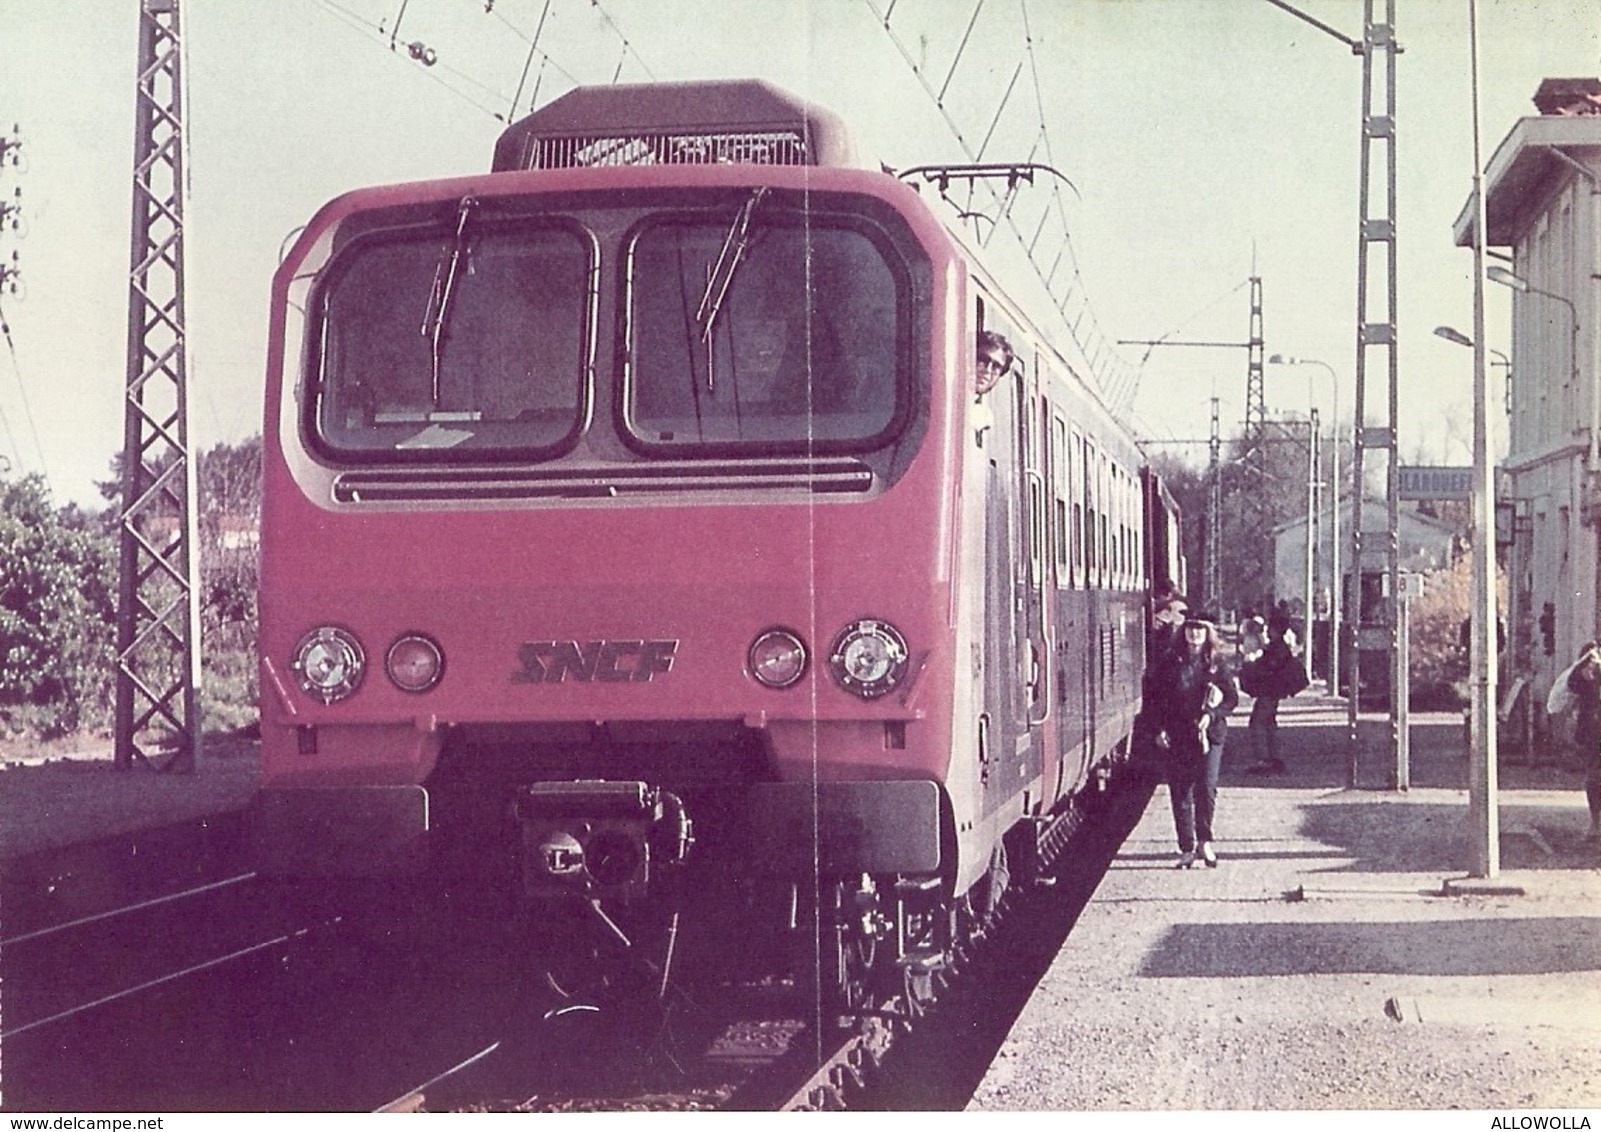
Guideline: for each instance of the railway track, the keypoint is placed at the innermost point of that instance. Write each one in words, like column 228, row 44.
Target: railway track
column 314, row 1005
column 296, row 1003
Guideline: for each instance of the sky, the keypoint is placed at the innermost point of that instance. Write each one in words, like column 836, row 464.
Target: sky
column 1206, row 141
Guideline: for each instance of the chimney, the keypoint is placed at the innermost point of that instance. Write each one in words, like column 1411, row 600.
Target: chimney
column 1568, row 97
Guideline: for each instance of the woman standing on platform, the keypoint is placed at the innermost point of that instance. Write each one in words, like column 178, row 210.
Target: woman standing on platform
column 1197, row 696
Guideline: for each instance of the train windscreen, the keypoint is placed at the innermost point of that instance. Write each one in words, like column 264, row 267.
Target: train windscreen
column 437, row 343
column 763, row 331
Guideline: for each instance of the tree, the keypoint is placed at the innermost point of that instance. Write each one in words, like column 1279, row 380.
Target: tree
column 57, row 613
column 229, row 513
column 1256, row 495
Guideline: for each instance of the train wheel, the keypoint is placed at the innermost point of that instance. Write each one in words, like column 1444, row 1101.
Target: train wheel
column 851, row 968
column 847, row 964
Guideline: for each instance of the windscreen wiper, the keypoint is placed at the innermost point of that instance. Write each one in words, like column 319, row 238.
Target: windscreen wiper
column 436, row 313
column 721, row 275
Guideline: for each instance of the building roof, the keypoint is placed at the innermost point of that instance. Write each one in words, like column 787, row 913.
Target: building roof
column 1373, row 507
column 1536, row 153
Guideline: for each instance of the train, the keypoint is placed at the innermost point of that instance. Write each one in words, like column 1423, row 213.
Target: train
column 631, row 505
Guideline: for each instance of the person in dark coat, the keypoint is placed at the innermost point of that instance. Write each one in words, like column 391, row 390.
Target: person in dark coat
column 1194, row 702
column 1274, row 660
column 1585, row 684
column 1164, row 640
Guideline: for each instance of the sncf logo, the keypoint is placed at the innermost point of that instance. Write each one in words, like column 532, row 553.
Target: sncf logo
column 551, row 662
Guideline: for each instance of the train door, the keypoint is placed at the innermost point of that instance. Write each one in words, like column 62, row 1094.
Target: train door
column 1033, row 414
column 1094, row 671
column 1067, row 619
column 1004, row 739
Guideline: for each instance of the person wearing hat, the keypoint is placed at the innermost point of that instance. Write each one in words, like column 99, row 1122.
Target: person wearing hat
column 1197, row 694
column 1268, row 679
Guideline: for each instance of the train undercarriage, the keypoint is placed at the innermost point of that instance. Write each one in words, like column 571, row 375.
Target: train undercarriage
column 632, row 889
column 621, row 886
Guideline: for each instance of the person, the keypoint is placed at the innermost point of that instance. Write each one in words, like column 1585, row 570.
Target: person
column 1169, row 609
column 1163, row 641
column 1264, row 683
column 1195, row 700
column 1253, row 635
column 994, row 359
column 1585, row 684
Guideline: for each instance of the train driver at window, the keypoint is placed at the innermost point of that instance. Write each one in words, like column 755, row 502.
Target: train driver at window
column 994, row 359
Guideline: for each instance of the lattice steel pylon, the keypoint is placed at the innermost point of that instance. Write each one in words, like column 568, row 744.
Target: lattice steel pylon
column 158, row 623
column 1214, row 513
column 1376, row 332
column 1255, row 523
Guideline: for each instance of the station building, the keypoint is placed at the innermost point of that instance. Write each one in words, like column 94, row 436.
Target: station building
column 1543, row 206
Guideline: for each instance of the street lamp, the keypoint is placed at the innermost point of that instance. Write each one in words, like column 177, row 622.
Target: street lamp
column 1483, row 813
column 1507, row 279
column 1336, row 579
column 1481, row 777
column 1451, row 334
column 1506, row 370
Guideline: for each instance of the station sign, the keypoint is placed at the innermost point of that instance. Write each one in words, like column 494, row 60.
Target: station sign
column 1426, row 482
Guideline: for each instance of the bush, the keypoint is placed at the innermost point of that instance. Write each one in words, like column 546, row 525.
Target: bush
column 58, row 603
column 1439, row 663
column 57, row 614
column 230, row 504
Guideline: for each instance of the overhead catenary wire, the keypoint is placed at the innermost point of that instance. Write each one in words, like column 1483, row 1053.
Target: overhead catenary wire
column 378, row 33
column 27, row 409
column 1109, row 370
column 469, row 87
column 1116, row 378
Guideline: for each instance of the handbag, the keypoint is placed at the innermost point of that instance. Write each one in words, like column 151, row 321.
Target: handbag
column 1560, row 698
column 1251, row 678
column 1291, row 678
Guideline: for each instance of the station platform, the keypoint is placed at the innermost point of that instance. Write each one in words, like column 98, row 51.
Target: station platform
column 1339, row 956
column 70, row 797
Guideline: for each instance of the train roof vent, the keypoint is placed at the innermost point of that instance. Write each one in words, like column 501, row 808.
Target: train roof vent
column 743, row 122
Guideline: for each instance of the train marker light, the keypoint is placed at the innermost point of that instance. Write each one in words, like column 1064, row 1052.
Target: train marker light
column 868, row 658
column 414, row 663
column 777, row 658
column 328, row 663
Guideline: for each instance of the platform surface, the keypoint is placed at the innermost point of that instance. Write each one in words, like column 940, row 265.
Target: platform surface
column 1339, row 956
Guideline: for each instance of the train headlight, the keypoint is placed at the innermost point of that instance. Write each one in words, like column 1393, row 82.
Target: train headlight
column 868, row 658
column 777, row 658
column 328, row 663
column 414, row 663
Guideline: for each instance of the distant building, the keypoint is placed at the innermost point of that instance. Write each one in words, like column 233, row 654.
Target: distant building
column 1425, row 544
column 1543, row 201
column 238, row 532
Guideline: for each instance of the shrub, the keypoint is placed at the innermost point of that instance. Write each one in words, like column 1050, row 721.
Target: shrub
column 57, row 614
column 1439, row 663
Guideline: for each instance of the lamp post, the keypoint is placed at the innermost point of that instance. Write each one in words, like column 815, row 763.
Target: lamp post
column 1483, row 817
column 1311, row 530
column 1335, row 577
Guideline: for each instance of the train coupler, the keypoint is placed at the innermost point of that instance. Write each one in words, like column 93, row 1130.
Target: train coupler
column 597, row 838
